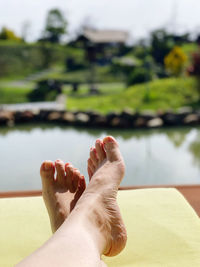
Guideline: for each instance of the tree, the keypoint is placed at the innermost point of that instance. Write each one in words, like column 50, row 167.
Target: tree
column 194, row 148
column 161, row 45
column 175, row 61
column 194, row 70
column 55, row 26
column 7, row 34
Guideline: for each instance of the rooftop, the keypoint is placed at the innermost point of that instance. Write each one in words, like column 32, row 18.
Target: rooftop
column 106, row 36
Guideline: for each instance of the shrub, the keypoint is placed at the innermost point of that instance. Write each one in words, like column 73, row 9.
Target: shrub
column 175, row 61
column 139, row 75
column 7, row 34
column 46, row 90
column 194, row 70
column 20, row 59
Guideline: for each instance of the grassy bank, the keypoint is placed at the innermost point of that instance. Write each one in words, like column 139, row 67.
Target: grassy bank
column 13, row 95
column 103, row 74
column 160, row 94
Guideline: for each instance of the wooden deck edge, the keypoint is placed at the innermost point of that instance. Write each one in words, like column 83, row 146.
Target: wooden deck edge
column 34, row 193
column 190, row 192
column 193, row 186
column 11, row 194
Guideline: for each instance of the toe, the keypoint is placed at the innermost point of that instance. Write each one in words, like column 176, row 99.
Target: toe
column 93, row 157
column 91, row 165
column 81, row 185
column 90, row 173
column 75, row 181
column 100, row 150
column 60, row 169
column 47, row 170
column 112, row 149
column 69, row 176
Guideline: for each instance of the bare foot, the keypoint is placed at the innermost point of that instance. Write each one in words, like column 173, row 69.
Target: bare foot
column 106, row 170
column 60, row 194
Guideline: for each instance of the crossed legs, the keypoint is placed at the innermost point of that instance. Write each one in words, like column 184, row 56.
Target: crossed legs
column 86, row 221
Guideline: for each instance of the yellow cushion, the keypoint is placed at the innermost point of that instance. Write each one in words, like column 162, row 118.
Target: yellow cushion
column 163, row 230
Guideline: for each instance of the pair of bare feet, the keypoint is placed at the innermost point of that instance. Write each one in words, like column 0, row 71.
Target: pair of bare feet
column 67, row 192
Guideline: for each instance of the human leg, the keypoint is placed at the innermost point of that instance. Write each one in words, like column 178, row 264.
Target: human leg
column 95, row 226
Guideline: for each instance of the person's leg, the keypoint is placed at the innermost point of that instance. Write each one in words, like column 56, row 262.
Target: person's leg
column 61, row 194
column 95, row 226
column 106, row 170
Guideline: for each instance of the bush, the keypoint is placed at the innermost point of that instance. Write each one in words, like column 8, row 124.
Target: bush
column 46, row 90
column 175, row 61
column 194, row 70
column 141, row 52
column 75, row 63
column 20, row 59
column 139, row 75
column 7, row 34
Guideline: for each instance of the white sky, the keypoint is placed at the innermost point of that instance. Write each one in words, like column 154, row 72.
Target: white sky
column 137, row 16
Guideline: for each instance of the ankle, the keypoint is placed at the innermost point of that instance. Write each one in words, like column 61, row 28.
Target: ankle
column 91, row 218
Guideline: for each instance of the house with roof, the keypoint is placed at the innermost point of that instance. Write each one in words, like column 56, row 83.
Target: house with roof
column 111, row 37
column 101, row 45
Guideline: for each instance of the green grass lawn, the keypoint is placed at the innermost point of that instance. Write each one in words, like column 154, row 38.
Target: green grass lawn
column 164, row 94
column 103, row 75
column 104, row 88
column 10, row 94
column 13, row 95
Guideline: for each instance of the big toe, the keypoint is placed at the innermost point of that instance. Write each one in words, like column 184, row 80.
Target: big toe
column 47, row 170
column 112, row 149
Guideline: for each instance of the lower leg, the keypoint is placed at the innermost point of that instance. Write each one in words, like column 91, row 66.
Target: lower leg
column 72, row 245
column 95, row 226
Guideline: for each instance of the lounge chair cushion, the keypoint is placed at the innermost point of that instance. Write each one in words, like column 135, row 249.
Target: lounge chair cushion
column 163, row 229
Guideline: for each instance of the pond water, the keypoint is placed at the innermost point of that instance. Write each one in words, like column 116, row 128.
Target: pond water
column 152, row 157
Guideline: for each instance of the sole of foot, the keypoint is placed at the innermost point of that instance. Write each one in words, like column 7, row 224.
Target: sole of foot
column 61, row 191
column 106, row 170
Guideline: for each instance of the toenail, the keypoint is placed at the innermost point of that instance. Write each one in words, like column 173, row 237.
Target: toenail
column 109, row 139
column 48, row 166
column 58, row 161
column 69, row 166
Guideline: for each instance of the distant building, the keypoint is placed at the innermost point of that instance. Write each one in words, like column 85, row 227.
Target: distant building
column 112, row 37
column 101, row 45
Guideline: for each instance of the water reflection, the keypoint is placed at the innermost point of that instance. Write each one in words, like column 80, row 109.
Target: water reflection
column 177, row 137
column 194, row 148
column 159, row 156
